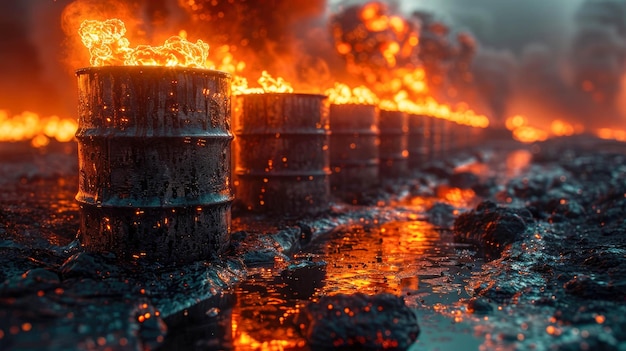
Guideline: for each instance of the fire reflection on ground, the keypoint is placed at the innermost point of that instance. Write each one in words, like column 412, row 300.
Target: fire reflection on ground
column 412, row 259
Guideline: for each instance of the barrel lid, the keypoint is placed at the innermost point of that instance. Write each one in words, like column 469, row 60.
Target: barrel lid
column 312, row 95
column 178, row 69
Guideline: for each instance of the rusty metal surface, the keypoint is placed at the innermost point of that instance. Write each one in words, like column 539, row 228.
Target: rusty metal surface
column 394, row 154
column 418, row 140
column 154, row 161
column 354, row 147
column 282, row 157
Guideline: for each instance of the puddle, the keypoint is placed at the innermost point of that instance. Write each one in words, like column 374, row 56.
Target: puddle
column 410, row 259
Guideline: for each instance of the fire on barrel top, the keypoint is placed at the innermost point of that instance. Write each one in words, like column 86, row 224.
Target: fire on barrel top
column 312, row 175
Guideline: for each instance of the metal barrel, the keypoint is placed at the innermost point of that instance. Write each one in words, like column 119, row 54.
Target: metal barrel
column 282, row 159
column 447, row 138
column 436, row 128
column 354, row 147
column 460, row 135
column 418, row 140
column 154, row 162
column 393, row 126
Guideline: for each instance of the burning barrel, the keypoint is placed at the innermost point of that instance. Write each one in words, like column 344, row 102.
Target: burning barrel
column 282, row 153
column 154, row 162
column 436, row 140
column 418, row 140
column 393, row 144
column 354, row 146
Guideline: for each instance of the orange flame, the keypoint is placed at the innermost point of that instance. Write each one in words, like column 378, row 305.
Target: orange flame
column 30, row 126
column 611, row 134
column 108, row 45
column 342, row 94
column 430, row 107
column 268, row 84
column 525, row 132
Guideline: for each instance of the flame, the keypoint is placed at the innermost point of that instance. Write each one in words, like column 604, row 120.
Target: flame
column 108, row 45
column 523, row 132
column 611, row 134
column 388, row 105
column 461, row 114
column 526, row 133
column 268, row 84
column 342, row 94
column 562, row 128
column 456, row 197
column 30, row 126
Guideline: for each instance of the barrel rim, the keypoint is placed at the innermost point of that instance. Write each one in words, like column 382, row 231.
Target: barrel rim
column 180, row 69
column 386, row 110
column 322, row 96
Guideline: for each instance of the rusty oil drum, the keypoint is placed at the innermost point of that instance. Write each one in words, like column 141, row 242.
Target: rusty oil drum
column 354, row 147
column 393, row 150
column 436, row 139
column 418, row 140
column 154, row 162
column 282, row 162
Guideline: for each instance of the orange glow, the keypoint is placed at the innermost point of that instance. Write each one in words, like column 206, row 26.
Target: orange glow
column 515, row 122
column 268, row 84
column 430, row 107
column 342, row 94
column 611, row 134
column 455, row 196
column 528, row 134
column 108, row 45
column 397, row 24
column 388, row 105
column 373, row 17
column 561, row 128
column 30, row 126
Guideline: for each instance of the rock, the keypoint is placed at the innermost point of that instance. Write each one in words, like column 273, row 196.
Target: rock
column 589, row 288
column 441, row 214
column 492, row 227
column 33, row 280
column 479, row 306
column 359, row 322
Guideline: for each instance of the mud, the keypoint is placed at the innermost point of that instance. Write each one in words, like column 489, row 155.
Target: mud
column 521, row 247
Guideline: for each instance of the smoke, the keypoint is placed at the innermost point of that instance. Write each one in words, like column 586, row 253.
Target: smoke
column 284, row 37
column 27, row 68
column 546, row 59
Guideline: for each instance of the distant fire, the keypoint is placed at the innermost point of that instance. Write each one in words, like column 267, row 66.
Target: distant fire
column 526, row 133
column 268, row 84
column 39, row 130
column 342, row 94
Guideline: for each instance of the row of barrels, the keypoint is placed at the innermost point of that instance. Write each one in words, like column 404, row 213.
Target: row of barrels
column 291, row 151
column 155, row 148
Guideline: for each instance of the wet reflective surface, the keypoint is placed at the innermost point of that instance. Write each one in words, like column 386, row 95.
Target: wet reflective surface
column 540, row 294
column 412, row 259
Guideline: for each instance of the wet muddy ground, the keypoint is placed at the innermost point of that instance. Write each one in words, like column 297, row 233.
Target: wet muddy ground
column 506, row 247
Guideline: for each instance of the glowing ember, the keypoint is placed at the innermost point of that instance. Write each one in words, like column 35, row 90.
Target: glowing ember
column 268, row 84
column 342, row 94
column 30, row 126
column 108, row 45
